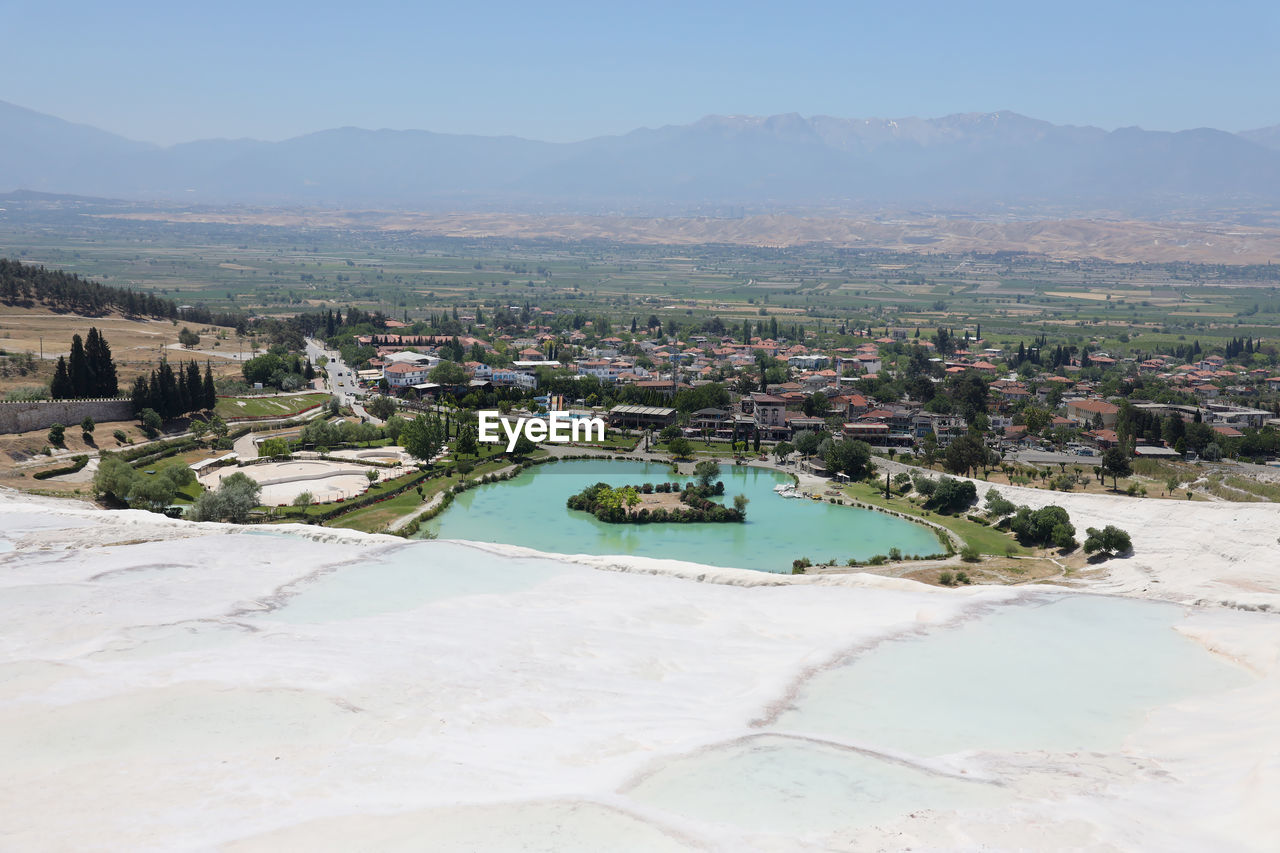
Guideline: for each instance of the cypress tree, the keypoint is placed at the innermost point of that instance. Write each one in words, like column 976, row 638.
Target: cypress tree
column 195, row 388
column 210, row 395
column 98, row 352
column 60, row 388
column 78, row 368
column 154, row 399
column 141, row 394
column 167, row 391
column 184, row 392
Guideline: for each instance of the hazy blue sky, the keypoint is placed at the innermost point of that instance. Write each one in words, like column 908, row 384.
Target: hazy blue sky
column 170, row 71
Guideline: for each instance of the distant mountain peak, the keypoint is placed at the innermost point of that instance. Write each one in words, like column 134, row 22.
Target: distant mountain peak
column 963, row 161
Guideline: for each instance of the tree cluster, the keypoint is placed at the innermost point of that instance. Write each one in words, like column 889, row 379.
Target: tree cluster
column 121, row 483
column 88, row 372
column 172, row 393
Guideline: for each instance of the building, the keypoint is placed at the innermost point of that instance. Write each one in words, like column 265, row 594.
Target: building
column 506, row 377
column 1086, row 411
column 770, row 415
column 404, row 375
column 641, row 417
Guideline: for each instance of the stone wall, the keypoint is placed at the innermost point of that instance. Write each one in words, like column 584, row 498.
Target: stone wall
column 42, row 414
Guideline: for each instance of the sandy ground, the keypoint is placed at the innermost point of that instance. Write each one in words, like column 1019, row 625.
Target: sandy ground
column 165, row 685
column 325, row 480
column 1115, row 240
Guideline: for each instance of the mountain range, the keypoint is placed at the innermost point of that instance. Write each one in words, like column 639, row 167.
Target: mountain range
column 972, row 162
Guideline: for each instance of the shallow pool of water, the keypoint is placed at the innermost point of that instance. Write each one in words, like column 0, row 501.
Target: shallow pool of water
column 410, row 577
column 783, row 785
column 530, row 510
column 1056, row 672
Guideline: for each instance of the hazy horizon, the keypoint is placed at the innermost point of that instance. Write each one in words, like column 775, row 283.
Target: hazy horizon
column 156, row 73
column 623, row 132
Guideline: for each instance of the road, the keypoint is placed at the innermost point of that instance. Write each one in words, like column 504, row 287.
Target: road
column 340, row 379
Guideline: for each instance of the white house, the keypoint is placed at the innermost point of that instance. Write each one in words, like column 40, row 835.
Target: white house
column 403, row 375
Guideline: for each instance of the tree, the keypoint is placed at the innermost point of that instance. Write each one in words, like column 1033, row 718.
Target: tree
column 113, row 479
column 1044, row 526
column 707, row 472
column 1115, row 463
column 1110, row 540
column 952, row 495
column 82, row 384
column 740, row 504
column 782, row 450
column 234, row 499
column 151, row 422
column 815, row 405
column 304, row 499
column 998, row 506
column 152, row 492
column 964, row 454
column 87, row 425
column 57, row 435
column 381, row 407
column 98, row 354
column 466, row 444
column 188, row 338
column 261, row 368
column 849, row 457
column 680, row 448
column 807, row 442
column 208, row 392
column 274, row 447
column 1036, row 418
column 421, row 437
column 449, row 373
column 523, row 446
column 60, row 388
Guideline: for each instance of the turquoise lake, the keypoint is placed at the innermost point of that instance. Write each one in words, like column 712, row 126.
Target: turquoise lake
column 530, row 510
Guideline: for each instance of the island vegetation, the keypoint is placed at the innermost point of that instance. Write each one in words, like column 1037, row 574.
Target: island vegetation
column 662, row 502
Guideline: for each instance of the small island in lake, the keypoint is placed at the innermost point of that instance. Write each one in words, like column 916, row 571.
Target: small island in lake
column 662, row 502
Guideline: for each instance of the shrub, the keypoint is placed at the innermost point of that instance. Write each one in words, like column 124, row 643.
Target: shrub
column 798, row 566
column 970, row 554
column 926, row 486
column 1110, row 540
column 57, row 435
column 895, row 554
column 78, row 462
column 878, row 560
column 120, row 437
column 946, row 579
column 952, row 495
column 963, row 578
column 998, row 505
column 1048, row 525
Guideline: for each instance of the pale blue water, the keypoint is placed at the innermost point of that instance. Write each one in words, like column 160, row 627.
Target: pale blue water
column 530, row 510
column 1058, row 672
column 410, row 577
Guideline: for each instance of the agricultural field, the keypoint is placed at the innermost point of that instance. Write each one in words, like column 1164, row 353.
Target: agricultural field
column 276, row 270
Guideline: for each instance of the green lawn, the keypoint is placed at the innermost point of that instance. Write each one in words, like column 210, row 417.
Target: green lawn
column 257, row 407
column 986, row 539
column 374, row 518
